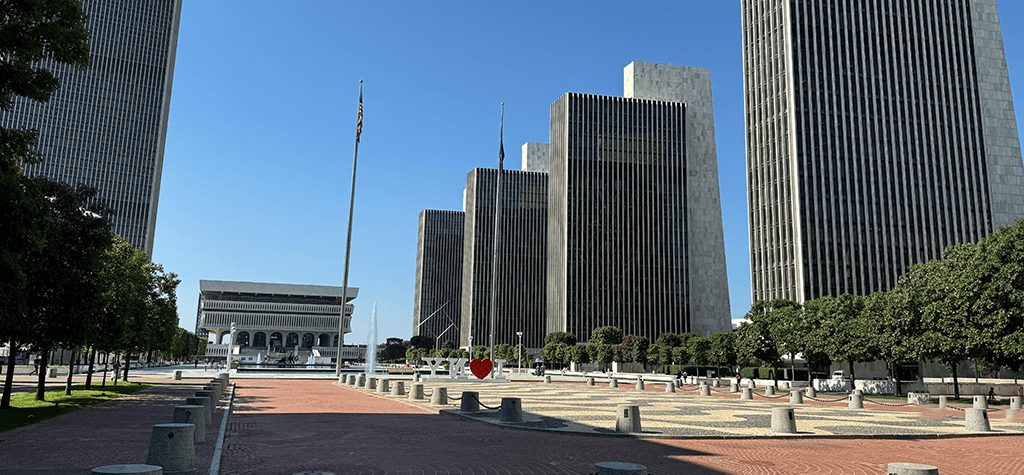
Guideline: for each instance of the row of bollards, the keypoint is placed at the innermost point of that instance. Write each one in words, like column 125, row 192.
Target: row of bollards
column 172, row 445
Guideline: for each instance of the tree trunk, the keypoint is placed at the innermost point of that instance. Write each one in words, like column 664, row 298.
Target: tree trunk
column 956, row 384
column 5, row 401
column 792, row 367
column 127, row 365
column 41, row 386
column 106, row 357
column 853, row 377
column 71, row 370
column 88, row 374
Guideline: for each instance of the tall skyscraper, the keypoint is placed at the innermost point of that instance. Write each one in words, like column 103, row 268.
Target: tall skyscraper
column 522, row 257
column 438, row 299
column 878, row 133
column 106, row 125
column 635, row 224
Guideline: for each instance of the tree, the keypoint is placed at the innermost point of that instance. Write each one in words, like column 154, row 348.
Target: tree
column 699, row 348
column 606, row 335
column 501, row 351
column 579, row 354
column 769, row 327
column 560, row 337
column 723, row 350
column 1003, row 295
column 395, row 350
column 840, row 329
column 668, row 339
column 31, row 31
column 637, row 348
column 420, row 341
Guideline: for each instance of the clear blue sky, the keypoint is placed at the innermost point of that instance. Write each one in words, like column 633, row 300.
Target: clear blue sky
column 258, row 163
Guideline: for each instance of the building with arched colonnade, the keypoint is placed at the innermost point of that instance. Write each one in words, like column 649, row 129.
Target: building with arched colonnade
column 272, row 320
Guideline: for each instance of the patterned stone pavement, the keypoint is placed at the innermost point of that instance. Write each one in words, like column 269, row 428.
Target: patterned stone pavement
column 290, row 426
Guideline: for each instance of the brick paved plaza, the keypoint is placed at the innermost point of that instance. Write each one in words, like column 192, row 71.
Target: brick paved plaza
column 287, row 426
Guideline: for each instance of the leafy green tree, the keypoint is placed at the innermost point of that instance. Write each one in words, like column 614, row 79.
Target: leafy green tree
column 501, row 351
column 768, row 332
column 480, row 352
column 637, row 348
column 395, row 349
column 579, row 354
column 840, row 329
column 723, row 350
column 560, row 337
column 671, row 340
column 607, row 335
column 421, row 341
column 1002, row 297
column 894, row 324
column 681, row 354
column 601, row 352
column 30, row 33
column 659, row 354
column 699, row 348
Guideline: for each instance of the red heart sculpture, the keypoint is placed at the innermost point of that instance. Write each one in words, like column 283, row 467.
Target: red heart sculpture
column 481, row 368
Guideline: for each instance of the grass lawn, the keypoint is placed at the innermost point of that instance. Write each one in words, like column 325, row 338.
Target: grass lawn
column 25, row 410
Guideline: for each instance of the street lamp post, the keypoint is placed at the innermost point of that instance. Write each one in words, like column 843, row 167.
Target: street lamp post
column 520, row 335
column 471, row 355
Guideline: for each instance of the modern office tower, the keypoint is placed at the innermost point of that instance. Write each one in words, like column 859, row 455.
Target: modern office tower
column 635, row 224
column 522, row 258
column 273, row 318
column 536, row 157
column 106, row 125
column 878, row 133
column 438, row 300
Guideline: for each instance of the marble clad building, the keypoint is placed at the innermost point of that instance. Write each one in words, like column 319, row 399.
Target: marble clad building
column 105, row 126
column 437, row 308
column 635, row 225
column 522, row 260
column 272, row 318
column 878, row 133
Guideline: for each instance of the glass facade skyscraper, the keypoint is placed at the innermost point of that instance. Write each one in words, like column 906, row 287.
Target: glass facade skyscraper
column 438, row 295
column 106, row 125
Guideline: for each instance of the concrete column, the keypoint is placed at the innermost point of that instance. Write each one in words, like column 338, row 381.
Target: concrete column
column 980, row 402
column 590, row 381
column 416, row 392
column 511, row 410
column 734, row 386
column 856, row 401
column 627, row 418
column 705, row 390
column 470, row 401
column 769, row 390
column 383, row 386
column 371, row 382
column 747, row 394
column 796, row 396
column 640, row 384
column 201, row 401
column 212, row 403
column 1015, row 402
column 361, row 380
column 613, row 383
column 976, row 420
column 716, row 383
column 398, row 388
column 811, row 392
column 670, row 387
column 783, row 421
column 439, row 397
column 911, row 469
column 192, row 415
column 943, row 400
column 172, row 447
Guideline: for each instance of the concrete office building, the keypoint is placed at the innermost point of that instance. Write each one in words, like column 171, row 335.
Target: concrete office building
column 522, row 257
column 106, row 125
column 878, row 133
column 437, row 307
column 272, row 319
column 635, row 224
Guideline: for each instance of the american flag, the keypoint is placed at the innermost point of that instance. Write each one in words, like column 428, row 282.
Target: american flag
column 359, row 123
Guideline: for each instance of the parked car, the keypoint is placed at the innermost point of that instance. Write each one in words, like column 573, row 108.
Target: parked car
column 840, row 375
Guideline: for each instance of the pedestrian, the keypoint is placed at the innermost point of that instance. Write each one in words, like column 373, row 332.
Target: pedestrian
column 35, row 363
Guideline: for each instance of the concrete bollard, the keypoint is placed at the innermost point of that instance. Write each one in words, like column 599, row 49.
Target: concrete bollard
column 901, row 468
column 1011, row 414
column 343, row 379
column 361, row 380
column 215, row 389
column 783, row 421
column 212, row 404
column 201, row 401
column 416, row 378
column 547, row 379
column 613, row 383
column 627, row 418
column 416, row 392
column 352, row 380
column 705, row 390
column 856, row 401
column 747, row 394
column 511, row 410
column 857, row 391
column 172, row 447
column 619, row 468
column 784, row 384
column 811, row 392
column 943, row 400
column 398, row 388
column 1016, row 402
column 470, row 401
column 751, row 383
column 976, row 420
column 371, row 383
column 192, row 415
column 590, row 381
column 129, row 469
column 716, row 383
column 177, row 375
column 769, row 390
column 980, row 402
column 796, row 396
column 670, row 387
column 439, row 397
column 734, row 386
column 639, row 384
column 383, row 386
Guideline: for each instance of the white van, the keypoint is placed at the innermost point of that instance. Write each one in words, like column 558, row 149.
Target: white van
column 840, row 375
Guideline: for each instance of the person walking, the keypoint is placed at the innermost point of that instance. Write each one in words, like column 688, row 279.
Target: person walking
column 35, row 363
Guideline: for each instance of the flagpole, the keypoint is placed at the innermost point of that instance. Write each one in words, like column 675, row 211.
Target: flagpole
column 497, row 230
column 348, row 241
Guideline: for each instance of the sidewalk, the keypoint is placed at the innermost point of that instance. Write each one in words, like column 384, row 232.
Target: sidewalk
column 115, row 432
